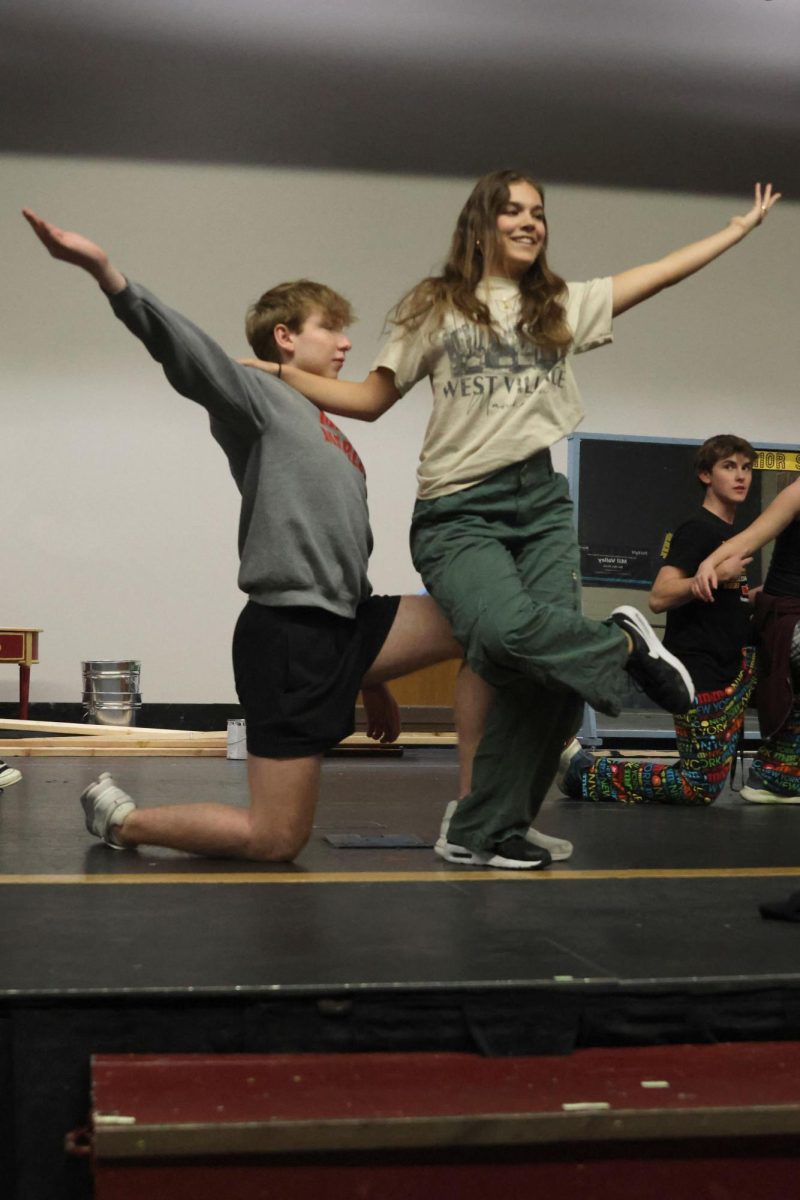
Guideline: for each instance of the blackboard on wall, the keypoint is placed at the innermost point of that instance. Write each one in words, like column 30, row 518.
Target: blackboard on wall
column 630, row 494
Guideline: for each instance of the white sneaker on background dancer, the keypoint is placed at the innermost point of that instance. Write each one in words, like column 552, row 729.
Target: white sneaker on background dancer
column 106, row 806
column 8, row 775
column 756, row 792
column 660, row 675
column 573, row 762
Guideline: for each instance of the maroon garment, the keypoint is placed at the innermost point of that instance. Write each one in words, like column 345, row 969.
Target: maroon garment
column 775, row 619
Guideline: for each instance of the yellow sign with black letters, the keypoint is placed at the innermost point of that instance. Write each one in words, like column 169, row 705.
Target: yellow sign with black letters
column 777, row 460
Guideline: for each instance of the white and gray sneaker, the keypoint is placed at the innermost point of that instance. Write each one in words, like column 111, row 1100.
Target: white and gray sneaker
column 757, row 792
column 512, row 854
column 106, row 805
column 571, row 766
column 8, row 775
column 558, row 849
column 660, row 675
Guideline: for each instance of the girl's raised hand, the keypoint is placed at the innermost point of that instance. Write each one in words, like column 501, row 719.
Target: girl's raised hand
column 762, row 203
column 261, row 364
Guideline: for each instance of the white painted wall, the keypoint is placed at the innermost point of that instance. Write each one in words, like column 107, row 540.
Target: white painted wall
column 119, row 516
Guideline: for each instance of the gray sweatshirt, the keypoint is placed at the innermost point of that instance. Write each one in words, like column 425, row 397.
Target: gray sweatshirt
column 304, row 535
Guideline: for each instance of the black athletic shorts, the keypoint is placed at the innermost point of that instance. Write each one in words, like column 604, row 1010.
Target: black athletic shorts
column 298, row 672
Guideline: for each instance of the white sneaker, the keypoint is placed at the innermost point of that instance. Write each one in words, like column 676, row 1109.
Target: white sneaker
column 567, row 754
column 762, row 795
column 514, row 854
column 441, row 841
column 559, row 849
column 572, row 765
column 106, row 805
column 8, row 775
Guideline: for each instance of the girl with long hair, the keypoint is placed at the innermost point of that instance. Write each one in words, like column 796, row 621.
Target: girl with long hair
column 492, row 533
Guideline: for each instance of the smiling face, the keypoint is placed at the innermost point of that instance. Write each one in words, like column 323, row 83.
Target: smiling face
column 319, row 346
column 520, row 232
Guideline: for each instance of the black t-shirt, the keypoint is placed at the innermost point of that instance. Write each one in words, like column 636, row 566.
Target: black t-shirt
column 707, row 638
column 783, row 576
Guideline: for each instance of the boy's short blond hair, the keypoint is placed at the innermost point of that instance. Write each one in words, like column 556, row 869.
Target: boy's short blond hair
column 291, row 304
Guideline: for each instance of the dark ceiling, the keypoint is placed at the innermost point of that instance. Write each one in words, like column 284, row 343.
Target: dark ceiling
column 696, row 95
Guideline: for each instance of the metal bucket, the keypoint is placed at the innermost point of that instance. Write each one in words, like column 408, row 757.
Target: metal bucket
column 111, row 693
column 237, row 739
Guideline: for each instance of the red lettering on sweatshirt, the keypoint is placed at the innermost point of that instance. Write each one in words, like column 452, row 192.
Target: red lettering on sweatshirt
column 337, row 438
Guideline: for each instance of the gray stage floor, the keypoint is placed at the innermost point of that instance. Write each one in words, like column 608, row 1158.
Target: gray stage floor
column 651, row 894
column 42, row 830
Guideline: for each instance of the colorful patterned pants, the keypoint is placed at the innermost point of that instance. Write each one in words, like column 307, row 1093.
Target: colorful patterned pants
column 707, row 736
column 777, row 763
column 776, row 766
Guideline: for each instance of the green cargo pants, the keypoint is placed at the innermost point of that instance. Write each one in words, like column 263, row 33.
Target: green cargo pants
column 501, row 559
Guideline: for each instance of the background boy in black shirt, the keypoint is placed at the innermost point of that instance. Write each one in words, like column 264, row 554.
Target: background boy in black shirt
column 711, row 640
column 775, row 774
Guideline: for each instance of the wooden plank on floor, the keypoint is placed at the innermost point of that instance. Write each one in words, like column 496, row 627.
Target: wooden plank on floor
column 87, row 730
column 105, row 751
column 51, row 742
column 176, row 743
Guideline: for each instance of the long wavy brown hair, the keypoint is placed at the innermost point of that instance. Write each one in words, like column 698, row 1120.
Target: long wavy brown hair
column 543, row 318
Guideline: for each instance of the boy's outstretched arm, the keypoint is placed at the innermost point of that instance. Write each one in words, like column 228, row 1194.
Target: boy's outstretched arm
column 77, row 250
column 639, row 283
column 193, row 362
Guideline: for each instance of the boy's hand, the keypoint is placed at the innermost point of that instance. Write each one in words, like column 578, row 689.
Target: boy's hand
column 704, row 583
column 77, row 250
column 382, row 713
column 708, row 577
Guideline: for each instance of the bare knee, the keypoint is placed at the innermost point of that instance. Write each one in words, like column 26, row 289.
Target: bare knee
column 283, row 799
column 277, row 845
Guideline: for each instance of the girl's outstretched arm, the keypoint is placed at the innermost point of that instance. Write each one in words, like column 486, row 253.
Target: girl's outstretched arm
column 775, row 517
column 631, row 287
column 365, row 400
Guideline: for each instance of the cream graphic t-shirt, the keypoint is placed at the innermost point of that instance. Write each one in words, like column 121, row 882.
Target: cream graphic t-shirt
column 497, row 399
